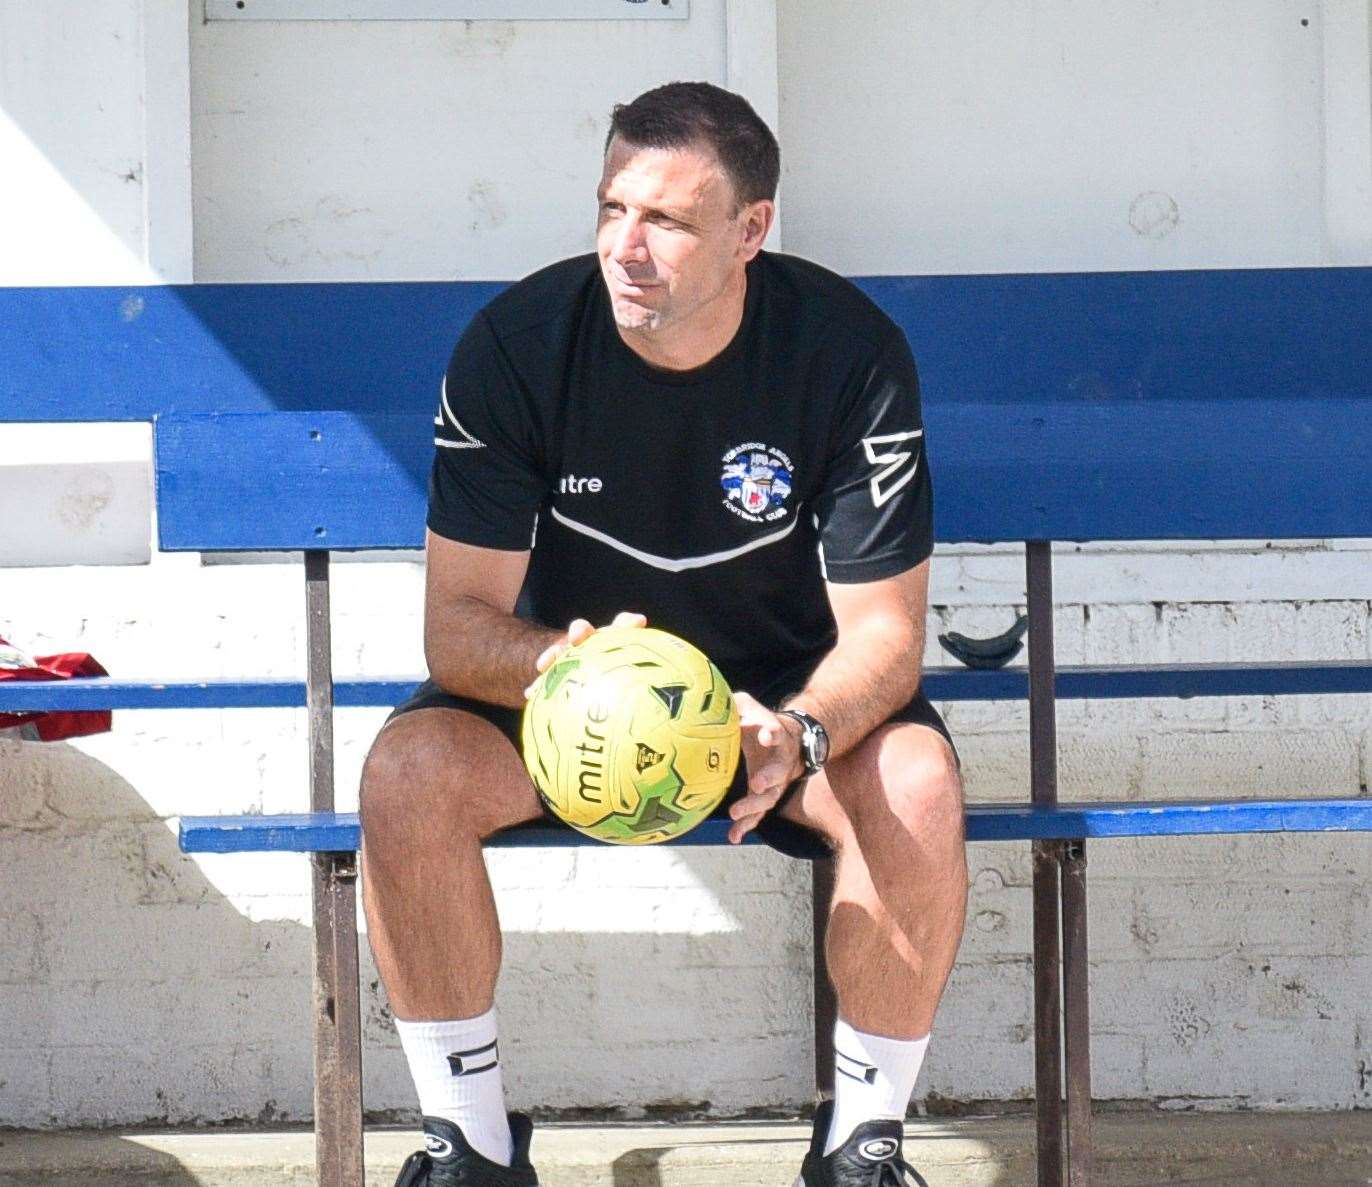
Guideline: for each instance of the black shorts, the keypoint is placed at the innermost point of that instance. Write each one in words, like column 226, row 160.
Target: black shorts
column 781, row 834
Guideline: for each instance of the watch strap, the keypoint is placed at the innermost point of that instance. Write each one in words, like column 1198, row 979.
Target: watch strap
column 811, row 733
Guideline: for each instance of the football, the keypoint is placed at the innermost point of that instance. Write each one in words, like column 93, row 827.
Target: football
column 632, row 736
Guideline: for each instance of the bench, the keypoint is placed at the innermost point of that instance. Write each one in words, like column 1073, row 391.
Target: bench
column 1127, row 377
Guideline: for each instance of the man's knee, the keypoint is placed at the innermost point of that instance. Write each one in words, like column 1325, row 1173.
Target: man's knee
column 432, row 772
column 920, row 783
column 397, row 775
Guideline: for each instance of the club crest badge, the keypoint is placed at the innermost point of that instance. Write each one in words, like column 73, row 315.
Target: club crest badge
column 756, row 482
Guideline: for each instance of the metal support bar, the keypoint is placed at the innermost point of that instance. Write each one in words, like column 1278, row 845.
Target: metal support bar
column 1047, row 1016
column 1043, row 773
column 319, row 680
column 1043, row 717
column 826, row 1002
column 337, row 1022
column 1076, row 1013
column 337, row 1008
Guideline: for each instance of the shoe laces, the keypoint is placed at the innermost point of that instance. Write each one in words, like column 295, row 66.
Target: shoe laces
column 413, row 1172
column 895, row 1172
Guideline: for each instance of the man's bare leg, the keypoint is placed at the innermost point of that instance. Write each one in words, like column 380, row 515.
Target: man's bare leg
column 892, row 809
column 436, row 783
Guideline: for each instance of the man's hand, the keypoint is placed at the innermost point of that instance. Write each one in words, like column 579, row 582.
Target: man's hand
column 771, row 754
column 578, row 631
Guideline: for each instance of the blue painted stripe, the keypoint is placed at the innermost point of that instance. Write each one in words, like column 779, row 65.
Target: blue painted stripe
column 339, row 832
column 129, row 353
column 942, row 684
column 99, row 353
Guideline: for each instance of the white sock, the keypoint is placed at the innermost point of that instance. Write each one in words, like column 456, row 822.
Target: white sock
column 456, row 1070
column 873, row 1081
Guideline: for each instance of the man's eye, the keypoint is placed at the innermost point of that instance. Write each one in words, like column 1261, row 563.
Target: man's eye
column 611, row 208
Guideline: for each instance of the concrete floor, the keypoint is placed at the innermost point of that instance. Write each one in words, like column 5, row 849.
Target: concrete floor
column 1132, row 1150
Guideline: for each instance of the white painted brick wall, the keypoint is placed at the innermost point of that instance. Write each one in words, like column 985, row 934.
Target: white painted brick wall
column 139, row 985
column 136, row 984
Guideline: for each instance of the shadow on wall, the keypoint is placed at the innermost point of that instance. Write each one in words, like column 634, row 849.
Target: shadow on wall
column 135, row 993
column 132, row 992
column 59, row 1160
column 935, row 1152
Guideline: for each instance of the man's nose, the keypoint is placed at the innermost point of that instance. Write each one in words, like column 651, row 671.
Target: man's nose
column 631, row 246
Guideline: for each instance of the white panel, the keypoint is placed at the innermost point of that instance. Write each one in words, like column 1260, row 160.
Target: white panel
column 1054, row 135
column 76, row 494
column 447, row 10
column 1348, row 129
column 396, row 150
column 750, row 54
column 1122, row 573
column 167, row 139
column 71, row 143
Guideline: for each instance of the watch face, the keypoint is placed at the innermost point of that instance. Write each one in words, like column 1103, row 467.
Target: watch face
column 814, row 740
column 819, row 745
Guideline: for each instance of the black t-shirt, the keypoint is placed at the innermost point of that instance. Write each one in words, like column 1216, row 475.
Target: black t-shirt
column 714, row 501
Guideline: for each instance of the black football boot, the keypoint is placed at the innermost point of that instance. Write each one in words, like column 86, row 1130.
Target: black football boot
column 447, row 1160
column 871, row 1157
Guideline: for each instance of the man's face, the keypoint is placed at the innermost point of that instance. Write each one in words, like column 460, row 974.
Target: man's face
column 670, row 236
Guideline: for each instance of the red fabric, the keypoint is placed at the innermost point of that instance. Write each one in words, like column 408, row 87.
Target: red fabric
column 63, row 723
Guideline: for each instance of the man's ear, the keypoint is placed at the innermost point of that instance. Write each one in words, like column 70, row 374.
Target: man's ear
column 757, row 218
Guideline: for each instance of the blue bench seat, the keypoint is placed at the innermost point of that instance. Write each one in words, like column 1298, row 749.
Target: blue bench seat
column 1085, row 682
column 339, row 832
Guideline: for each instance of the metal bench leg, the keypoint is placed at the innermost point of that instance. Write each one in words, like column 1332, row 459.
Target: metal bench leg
column 1077, row 1013
column 1043, row 779
column 337, row 1005
column 826, row 1003
column 1047, row 1015
column 337, row 1022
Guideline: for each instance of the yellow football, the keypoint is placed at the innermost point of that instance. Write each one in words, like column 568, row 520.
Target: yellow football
column 632, row 737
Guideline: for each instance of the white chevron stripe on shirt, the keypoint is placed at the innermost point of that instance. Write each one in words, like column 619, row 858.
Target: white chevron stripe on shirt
column 667, row 563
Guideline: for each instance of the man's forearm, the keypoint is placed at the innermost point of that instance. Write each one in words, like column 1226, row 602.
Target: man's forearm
column 862, row 682
column 475, row 650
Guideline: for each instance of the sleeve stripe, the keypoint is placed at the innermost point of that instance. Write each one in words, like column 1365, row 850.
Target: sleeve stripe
column 449, row 421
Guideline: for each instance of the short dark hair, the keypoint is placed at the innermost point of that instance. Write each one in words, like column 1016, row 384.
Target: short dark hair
column 683, row 114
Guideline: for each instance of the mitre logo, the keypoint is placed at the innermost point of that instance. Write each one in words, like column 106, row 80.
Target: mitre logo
column 572, row 485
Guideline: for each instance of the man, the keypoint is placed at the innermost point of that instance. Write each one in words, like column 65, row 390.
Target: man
column 682, row 430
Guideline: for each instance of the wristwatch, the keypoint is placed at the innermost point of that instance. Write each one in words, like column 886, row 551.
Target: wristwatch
column 814, row 740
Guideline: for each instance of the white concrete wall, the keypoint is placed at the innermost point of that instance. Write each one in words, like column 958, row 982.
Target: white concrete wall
column 1068, row 136
column 414, row 150
column 137, row 985
column 71, row 137
column 95, row 148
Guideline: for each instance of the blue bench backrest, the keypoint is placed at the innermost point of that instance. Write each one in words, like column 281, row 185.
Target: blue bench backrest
column 267, row 481
column 1117, row 470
